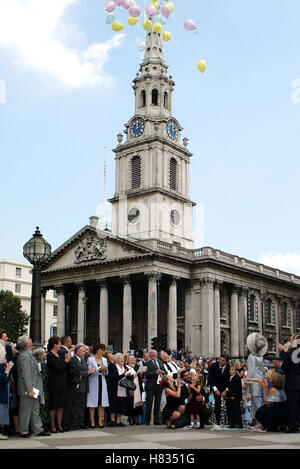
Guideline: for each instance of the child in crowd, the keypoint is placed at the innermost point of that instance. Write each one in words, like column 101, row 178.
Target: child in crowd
column 234, row 398
column 195, row 406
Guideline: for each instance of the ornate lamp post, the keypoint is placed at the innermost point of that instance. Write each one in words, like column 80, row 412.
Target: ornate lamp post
column 37, row 250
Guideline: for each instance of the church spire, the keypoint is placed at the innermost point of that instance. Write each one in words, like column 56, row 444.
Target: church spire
column 153, row 55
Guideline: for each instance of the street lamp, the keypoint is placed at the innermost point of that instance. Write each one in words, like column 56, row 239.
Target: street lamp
column 37, row 250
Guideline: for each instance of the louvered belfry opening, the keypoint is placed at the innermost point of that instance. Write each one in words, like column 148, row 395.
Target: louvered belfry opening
column 136, row 172
column 173, row 174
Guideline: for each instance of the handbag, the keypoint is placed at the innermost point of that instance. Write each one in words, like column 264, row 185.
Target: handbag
column 127, row 384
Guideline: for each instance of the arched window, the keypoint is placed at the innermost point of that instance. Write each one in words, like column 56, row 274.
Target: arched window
column 173, row 174
column 284, row 314
column 135, row 172
column 269, row 311
column 155, row 97
column 252, row 308
column 166, row 100
column 143, row 98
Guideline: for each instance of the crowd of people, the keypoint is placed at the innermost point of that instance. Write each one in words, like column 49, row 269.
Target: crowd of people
column 69, row 387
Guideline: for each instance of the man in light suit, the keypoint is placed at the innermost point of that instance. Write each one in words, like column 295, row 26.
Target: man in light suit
column 29, row 377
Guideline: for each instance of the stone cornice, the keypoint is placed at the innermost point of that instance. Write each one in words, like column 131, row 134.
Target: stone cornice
column 148, row 140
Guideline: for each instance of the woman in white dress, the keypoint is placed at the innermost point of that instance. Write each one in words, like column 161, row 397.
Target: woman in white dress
column 97, row 396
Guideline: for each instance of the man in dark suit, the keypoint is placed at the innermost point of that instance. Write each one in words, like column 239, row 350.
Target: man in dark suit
column 218, row 378
column 79, row 370
column 155, row 369
column 234, row 398
column 66, row 346
column 291, row 368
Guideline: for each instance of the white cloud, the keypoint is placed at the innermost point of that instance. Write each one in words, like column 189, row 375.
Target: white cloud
column 39, row 38
column 286, row 262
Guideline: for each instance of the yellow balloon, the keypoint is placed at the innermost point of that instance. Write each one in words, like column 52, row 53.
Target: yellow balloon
column 132, row 20
column 147, row 25
column 117, row 26
column 201, row 64
column 166, row 36
column 172, row 6
column 157, row 27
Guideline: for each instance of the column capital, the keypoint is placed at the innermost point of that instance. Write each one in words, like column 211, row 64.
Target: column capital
column 80, row 286
column 244, row 291
column 102, row 283
column 235, row 288
column 60, row 290
column 207, row 282
column 217, row 284
column 125, row 279
column 44, row 291
column 174, row 279
column 156, row 276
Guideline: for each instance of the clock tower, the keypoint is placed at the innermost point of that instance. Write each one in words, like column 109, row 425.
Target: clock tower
column 151, row 199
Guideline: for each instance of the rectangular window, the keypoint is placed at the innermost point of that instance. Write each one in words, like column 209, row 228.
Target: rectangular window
column 17, row 288
column 18, row 272
column 54, row 294
column 54, row 310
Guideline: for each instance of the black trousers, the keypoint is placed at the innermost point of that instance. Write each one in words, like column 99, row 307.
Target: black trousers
column 217, row 408
column 78, row 409
column 66, row 420
column 153, row 394
column 233, row 407
column 293, row 400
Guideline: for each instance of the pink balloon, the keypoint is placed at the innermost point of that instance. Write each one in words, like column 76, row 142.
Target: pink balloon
column 165, row 10
column 126, row 4
column 134, row 10
column 110, row 6
column 117, row 2
column 151, row 10
column 189, row 25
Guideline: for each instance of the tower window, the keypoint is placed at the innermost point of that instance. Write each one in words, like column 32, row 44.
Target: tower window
column 135, row 172
column 155, row 97
column 166, row 100
column 143, row 98
column 173, row 174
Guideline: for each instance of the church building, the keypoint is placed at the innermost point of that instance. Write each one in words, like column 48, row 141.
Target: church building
column 144, row 278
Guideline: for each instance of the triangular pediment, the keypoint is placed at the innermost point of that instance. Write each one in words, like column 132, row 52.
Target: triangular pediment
column 91, row 245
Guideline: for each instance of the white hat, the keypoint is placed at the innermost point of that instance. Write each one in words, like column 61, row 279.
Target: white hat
column 257, row 344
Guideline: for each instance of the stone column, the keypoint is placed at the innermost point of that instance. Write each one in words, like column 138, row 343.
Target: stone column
column 172, row 314
column 43, row 314
column 207, row 316
column 127, row 312
column 217, row 324
column 80, row 312
column 61, row 310
column 243, row 322
column 188, row 319
column 103, row 312
column 153, row 279
column 234, row 323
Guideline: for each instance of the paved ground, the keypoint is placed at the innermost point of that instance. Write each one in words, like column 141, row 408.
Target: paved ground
column 156, row 438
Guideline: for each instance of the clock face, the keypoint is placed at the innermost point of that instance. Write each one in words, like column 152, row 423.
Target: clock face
column 137, row 127
column 175, row 217
column 133, row 215
column 172, row 129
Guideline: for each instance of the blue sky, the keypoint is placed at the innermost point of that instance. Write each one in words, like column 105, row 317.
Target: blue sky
column 65, row 93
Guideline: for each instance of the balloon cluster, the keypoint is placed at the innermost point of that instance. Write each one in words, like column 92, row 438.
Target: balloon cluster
column 155, row 17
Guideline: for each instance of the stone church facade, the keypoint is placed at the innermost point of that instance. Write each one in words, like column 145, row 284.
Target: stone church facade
column 143, row 277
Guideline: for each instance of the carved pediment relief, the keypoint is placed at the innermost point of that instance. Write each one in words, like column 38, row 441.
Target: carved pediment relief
column 91, row 248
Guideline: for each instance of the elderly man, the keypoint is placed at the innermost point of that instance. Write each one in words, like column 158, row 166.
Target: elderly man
column 155, row 369
column 30, row 390
column 80, row 372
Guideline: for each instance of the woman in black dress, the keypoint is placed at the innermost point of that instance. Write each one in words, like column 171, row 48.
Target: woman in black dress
column 173, row 408
column 57, row 377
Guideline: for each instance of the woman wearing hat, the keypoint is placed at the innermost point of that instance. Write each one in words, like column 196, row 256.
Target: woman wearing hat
column 258, row 346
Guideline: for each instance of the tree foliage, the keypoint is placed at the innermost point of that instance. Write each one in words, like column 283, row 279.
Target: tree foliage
column 12, row 319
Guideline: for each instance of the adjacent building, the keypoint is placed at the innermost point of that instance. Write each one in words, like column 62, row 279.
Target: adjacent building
column 16, row 277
